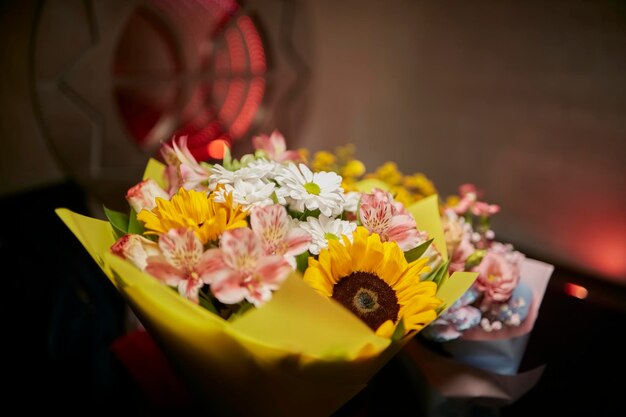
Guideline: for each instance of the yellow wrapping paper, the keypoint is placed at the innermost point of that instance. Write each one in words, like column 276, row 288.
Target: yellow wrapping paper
column 300, row 354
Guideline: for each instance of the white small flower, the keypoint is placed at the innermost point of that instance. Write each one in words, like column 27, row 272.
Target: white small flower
column 259, row 170
column 351, row 203
column 485, row 324
column 304, row 189
column 514, row 320
column 263, row 168
column 247, row 193
column 323, row 228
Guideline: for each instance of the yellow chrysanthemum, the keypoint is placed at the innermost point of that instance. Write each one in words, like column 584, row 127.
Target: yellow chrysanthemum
column 452, row 201
column 420, row 184
column 304, row 155
column 402, row 195
column 352, row 169
column 389, row 173
column 193, row 210
column 324, row 161
column 373, row 280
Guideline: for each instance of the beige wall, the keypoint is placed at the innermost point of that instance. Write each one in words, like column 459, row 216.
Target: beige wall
column 525, row 99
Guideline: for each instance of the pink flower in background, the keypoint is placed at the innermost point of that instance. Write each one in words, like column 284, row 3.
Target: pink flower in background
column 460, row 254
column 483, row 209
column 144, row 195
column 275, row 147
column 136, row 249
column 467, row 192
column 467, row 189
column 380, row 214
column 470, row 202
column 277, row 232
column 182, row 168
column 242, row 269
column 497, row 278
column 183, row 262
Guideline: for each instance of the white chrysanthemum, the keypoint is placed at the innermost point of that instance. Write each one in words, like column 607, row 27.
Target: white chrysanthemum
column 264, row 168
column 351, row 204
column 304, row 189
column 248, row 194
column 323, row 228
column 260, row 170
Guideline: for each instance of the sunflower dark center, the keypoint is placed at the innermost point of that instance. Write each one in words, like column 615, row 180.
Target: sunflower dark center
column 369, row 297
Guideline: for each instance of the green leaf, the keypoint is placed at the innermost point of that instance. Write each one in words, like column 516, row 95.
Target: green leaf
column 134, row 225
column 441, row 308
column 302, row 261
column 206, row 302
column 475, row 258
column 118, row 220
column 439, row 275
column 311, row 213
column 243, row 307
column 399, row 331
column 227, row 159
column 247, row 159
column 417, row 251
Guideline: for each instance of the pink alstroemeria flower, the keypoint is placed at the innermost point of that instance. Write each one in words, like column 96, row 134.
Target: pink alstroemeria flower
column 380, row 214
column 136, row 249
column 183, row 170
column 243, row 270
column 183, row 263
column 483, row 209
column 275, row 147
column 470, row 202
column 497, row 277
column 144, row 195
column 277, row 233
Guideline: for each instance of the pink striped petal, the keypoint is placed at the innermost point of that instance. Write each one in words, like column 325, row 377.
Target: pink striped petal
column 162, row 270
column 181, row 247
column 272, row 271
column 229, row 291
column 297, row 241
column 403, row 231
column 189, row 289
column 241, row 249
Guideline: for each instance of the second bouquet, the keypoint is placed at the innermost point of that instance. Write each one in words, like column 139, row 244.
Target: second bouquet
column 262, row 279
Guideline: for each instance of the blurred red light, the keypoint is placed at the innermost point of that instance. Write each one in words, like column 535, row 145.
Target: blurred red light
column 577, row 291
column 217, row 148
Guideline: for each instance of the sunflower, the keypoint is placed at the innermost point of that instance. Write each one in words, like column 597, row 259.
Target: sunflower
column 374, row 281
column 193, row 210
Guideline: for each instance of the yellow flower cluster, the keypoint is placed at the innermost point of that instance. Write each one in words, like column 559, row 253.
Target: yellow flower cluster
column 406, row 189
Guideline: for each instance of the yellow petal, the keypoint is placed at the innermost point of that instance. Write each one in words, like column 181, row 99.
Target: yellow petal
column 386, row 329
column 340, row 261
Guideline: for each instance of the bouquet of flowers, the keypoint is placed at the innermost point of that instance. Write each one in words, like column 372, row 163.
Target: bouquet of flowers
column 270, row 279
column 498, row 299
column 484, row 334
